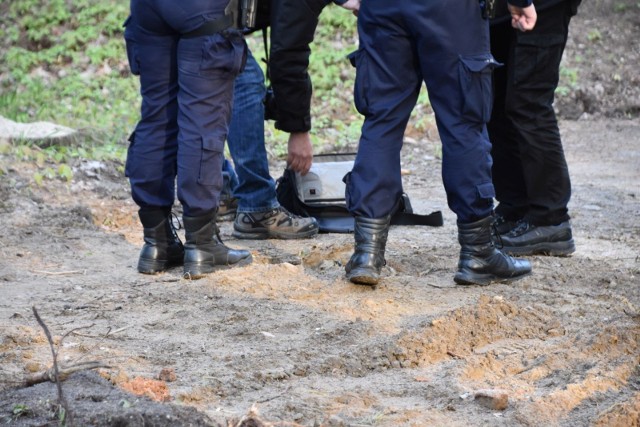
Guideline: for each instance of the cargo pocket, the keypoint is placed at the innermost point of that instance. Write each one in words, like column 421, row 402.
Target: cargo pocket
column 486, row 191
column 131, row 46
column 223, row 54
column 210, row 168
column 360, row 60
column 538, row 60
column 475, row 81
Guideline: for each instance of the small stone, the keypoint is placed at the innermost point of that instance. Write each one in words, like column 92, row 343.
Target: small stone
column 496, row 400
column 33, row 367
column 167, row 375
column 556, row 332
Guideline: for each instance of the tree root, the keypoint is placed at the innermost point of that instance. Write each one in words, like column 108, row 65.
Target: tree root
column 63, row 372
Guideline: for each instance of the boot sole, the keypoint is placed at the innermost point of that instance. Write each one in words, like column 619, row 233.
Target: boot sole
column 273, row 235
column 559, row 249
column 485, row 279
column 194, row 271
column 149, row 266
column 363, row 278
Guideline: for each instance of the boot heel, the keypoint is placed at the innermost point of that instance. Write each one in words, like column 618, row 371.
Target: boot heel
column 364, row 277
column 152, row 266
column 196, row 270
column 466, row 279
column 470, row 279
column 204, row 250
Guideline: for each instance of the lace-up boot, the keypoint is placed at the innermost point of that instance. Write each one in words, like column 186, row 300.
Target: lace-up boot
column 204, row 250
column 480, row 262
column 162, row 248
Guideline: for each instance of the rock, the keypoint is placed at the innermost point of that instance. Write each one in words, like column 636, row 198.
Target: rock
column 167, row 375
column 44, row 132
column 496, row 400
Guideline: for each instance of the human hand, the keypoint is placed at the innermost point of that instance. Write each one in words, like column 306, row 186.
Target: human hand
column 523, row 18
column 352, row 5
column 300, row 152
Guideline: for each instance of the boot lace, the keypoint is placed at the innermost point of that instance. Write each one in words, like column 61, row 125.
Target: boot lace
column 216, row 231
column 521, row 227
column 175, row 225
column 496, row 238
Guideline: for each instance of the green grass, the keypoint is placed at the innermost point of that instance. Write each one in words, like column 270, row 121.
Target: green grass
column 65, row 62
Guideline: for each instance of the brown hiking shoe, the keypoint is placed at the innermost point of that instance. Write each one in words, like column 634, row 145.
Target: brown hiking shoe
column 227, row 209
column 277, row 223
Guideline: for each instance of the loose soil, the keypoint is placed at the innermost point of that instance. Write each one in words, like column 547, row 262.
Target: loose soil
column 288, row 341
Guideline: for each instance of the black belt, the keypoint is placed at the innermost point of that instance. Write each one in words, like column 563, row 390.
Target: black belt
column 211, row 27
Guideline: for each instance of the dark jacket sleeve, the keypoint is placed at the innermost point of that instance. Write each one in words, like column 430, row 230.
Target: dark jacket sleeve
column 502, row 13
column 520, row 3
column 293, row 24
column 501, row 8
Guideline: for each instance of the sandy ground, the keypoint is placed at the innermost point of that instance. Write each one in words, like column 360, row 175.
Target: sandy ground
column 289, row 337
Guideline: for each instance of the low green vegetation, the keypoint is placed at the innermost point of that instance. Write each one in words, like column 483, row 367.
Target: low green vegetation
column 568, row 80
column 20, row 410
column 65, row 62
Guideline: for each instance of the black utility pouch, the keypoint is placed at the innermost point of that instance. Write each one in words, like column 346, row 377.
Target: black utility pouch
column 248, row 13
column 270, row 106
column 488, row 8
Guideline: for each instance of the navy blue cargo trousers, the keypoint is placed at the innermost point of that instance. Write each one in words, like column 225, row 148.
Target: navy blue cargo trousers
column 186, row 85
column 446, row 45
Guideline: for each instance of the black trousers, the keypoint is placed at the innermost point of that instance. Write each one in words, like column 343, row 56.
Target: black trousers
column 530, row 173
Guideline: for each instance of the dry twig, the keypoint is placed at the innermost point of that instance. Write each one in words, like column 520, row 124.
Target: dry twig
column 56, row 371
column 58, row 273
column 62, row 372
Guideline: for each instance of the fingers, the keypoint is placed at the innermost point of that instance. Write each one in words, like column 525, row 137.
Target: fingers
column 352, row 5
column 300, row 152
column 523, row 23
column 523, row 19
column 298, row 164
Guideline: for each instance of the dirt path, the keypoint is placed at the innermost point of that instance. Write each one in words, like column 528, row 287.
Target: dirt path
column 291, row 336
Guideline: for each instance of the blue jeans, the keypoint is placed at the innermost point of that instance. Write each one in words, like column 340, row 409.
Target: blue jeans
column 256, row 190
column 229, row 179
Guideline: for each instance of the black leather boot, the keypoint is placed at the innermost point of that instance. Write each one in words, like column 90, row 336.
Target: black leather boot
column 480, row 262
column 204, row 251
column 162, row 248
column 368, row 258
